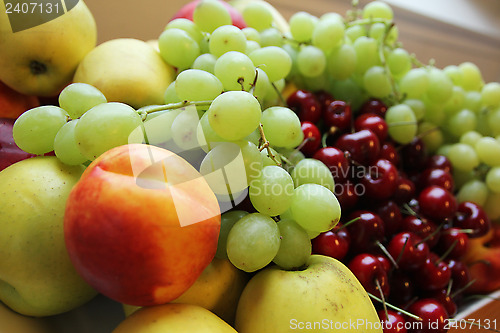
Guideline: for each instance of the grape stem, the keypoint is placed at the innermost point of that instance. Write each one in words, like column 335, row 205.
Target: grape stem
column 172, row 106
column 264, row 144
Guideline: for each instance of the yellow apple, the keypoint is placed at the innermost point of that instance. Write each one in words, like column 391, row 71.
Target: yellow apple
column 127, row 70
column 324, row 297
column 173, row 318
column 42, row 60
column 218, row 289
column 36, row 274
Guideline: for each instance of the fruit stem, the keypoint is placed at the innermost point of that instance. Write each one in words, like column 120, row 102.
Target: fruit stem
column 280, row 96
column 173, row 106
column 384, row 303
column 396, row 308
column 347, row 223
column 459, row 291
column 447, row 252
column 264, row 144
column 400, row 254
column 366, row 21
column 383, row 249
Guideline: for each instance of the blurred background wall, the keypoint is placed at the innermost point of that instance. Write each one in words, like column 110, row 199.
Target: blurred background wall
column 448, row 31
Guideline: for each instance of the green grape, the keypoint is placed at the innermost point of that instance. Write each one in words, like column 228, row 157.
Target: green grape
column 463, row 157
column 291, row 157
column 235, row 70
column 204, row 44
column 470, row 138
column 461, row 122
column 392, row 36
column 271, row 37
column 257, row 16
column 178, row 48
column 402, row 123
column 377, row 31
column 273, row 60
column 414, row 83
column 205, row 134
column 78, row 98
column 454, row 73
column 227, row 38
column 272, row 97
column 348, row 90
column 170, row 96
column 224, row 169
column 456, row 101
column 444, row 149
column 205, row 62
column 431, row 135
column 473, row 101
column 227, row 221
column 355, row 31
column 471, row 76
column 474, row 190
column 483, row 123
column 253, row 242
column 312, row 171
column 254, row 137
column 302, row 25
column 493, row 119
column 417, row 106
column 34, row 131
column 491, row 206
column 252, row 159
column 208, row 15
column 367, row 49
column 65, row 146
column 197, row 85
column 341, row 62
column 332, row 16
column 461, row 177
column 440, row 86
column 491, row 94
column 488, row 151
column 234, row 114
column 105, row 126
column 282, row 127
column 399, row 62
column 188, row 26
column 327, row 34
column 311, row 61
column 378, row 9
column 262, row 86
column 295, row 247
column 272, row 191
column 184, row 128
column 315, row 208
column 377, row 82
column 157, row 127
column 251, row 46
column 268, row 160
column 251, row 34
column 493, row 179
column 434, row 112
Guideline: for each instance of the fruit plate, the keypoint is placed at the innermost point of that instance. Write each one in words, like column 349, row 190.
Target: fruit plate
column 485, row 311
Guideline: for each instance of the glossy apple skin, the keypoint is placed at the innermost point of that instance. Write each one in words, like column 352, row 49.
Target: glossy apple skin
column 122, row 227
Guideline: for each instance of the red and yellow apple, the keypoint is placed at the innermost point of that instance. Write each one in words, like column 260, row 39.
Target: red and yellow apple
column 187, row 10
column 13, row 103
column 141, row 225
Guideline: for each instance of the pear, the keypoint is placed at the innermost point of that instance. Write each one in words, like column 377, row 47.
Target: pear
column 36, row 274
column 127, row 70
column 323, row 297
column 42, row 60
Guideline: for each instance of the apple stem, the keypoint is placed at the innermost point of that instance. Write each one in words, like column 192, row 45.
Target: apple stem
column 383, row 248
column 264, row 144
column 37, row 68
column 395, row 307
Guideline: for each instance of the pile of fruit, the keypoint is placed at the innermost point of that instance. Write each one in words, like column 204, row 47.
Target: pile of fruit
column 246, row 173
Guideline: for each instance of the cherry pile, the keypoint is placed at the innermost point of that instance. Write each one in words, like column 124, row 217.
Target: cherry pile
column 403, row 233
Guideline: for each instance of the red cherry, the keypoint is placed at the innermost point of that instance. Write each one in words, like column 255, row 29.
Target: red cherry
column 338, row 114
column 439, row 162
column 423, row 228
column 405, row 190
column 434, row 274
column 375, row 106
column 433, row 314
column 336, row 161
column 392, row 322
column 460, row 274
column 389, row 152
column 347, row 194
column 381, row 180
column 408, row 250
column 402, row 288
column 455, row 241
column 390, row 213
column 306, row 105
column 437, row 203
column 374, row 123
column 313, row 137
column 386, row 263
column 439, row 177
column 370, row 271
column 363, row 146
column 324, row 98
column 414, row 154
column 366, row 231
column 472, row 216
column 332, row 243
column 443, row 297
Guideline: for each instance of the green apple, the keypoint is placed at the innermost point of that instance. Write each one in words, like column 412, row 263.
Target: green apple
column 324, row 297
column 42, row 60
column 173, row 318
column 36, row 274
column 127, row 70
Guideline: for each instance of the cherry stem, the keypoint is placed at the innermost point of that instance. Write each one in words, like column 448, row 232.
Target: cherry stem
column 384, row 249
column 264, row 144
column 459, row 291
column 395, row 307
column 384, row 303
column 429, row 236
column 400, row 254
column 347, row 223
column 447, row 252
